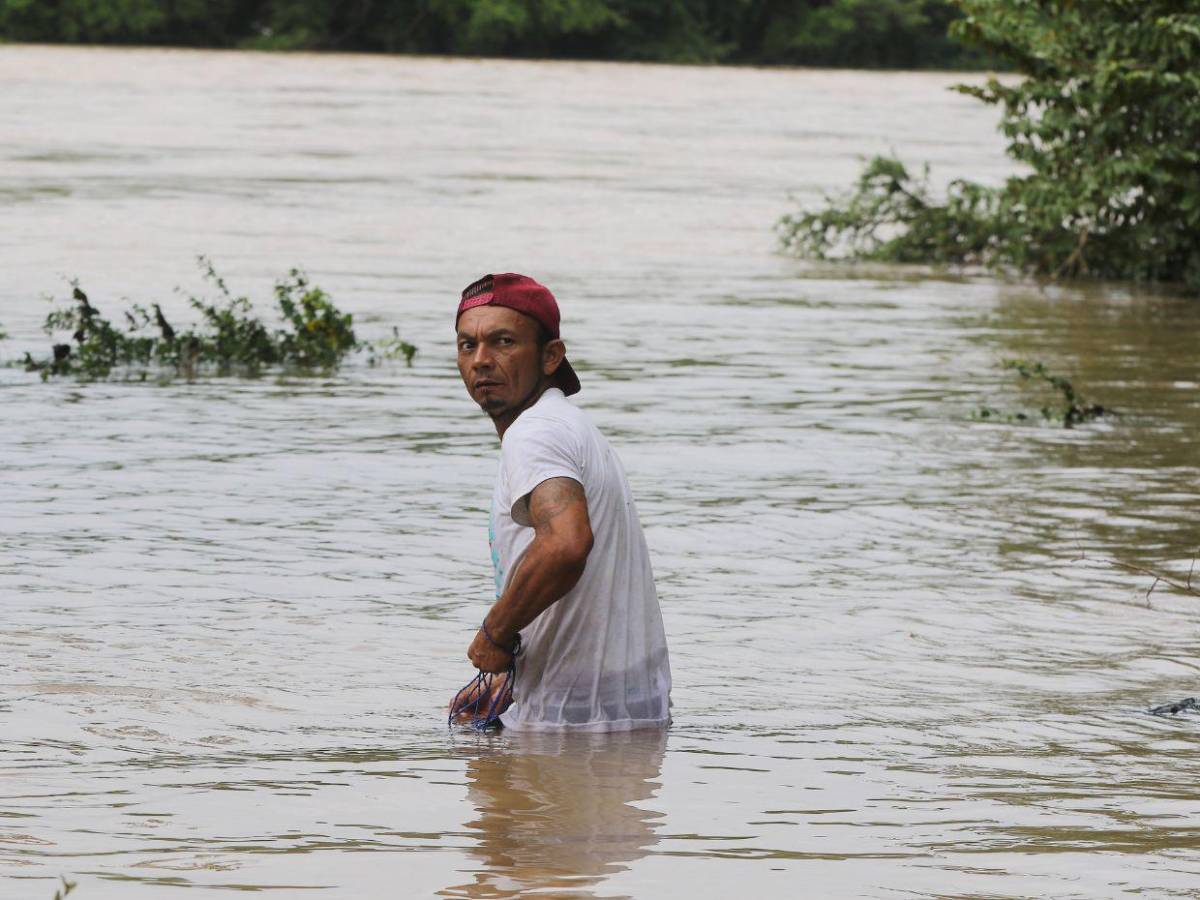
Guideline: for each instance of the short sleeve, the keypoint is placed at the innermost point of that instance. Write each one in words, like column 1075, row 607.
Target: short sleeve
column 533, row 451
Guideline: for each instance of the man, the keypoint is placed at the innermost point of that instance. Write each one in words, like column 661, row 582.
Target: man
column 573, row 576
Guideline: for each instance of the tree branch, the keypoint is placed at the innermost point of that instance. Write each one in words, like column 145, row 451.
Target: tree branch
column 1183, row 586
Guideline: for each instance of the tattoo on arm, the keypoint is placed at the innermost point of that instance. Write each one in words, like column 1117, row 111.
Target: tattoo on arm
column 554, row 497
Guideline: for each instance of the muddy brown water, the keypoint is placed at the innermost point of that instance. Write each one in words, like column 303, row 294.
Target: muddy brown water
column 232, row 611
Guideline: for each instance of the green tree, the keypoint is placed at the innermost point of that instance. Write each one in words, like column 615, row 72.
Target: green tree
column 871, row 33
column 202, row 22
column 525, row 26
column 1106, row 120
column 902, row 33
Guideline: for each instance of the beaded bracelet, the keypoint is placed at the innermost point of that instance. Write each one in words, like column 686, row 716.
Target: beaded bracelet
column 516, row 647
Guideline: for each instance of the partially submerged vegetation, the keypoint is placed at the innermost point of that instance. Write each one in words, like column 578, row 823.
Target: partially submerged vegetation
column 1061, row 403
column 1176, row 582
column 229, row 338
column 1106, row 128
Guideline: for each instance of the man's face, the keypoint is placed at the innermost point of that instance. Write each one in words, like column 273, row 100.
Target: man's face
column 499, row 358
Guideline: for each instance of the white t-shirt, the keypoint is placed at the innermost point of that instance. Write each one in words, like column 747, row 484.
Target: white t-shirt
column 595, row 660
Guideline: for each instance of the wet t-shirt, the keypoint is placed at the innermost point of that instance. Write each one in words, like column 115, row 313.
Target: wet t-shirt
column 596, row 659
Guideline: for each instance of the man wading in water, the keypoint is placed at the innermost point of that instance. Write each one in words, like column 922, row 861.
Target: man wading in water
column 572, row 570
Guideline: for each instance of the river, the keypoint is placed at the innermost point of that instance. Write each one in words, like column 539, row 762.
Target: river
column 232, row 611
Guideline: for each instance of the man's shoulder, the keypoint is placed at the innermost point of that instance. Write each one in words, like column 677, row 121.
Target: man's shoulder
column 552, row 412
column 557, row 423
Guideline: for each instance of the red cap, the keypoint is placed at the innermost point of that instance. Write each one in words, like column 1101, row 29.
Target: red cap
column 522, row 293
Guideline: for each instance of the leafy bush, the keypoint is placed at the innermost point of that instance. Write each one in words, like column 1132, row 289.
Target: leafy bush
column 1107, row 122
column 892, row 216
column 99, row 346
column 315, row 335
column 320, row 334
column 235, row 337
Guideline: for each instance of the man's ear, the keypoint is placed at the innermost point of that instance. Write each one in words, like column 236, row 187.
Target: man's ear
column 553, row 354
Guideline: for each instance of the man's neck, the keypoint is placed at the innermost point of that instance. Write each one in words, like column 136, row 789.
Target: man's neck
column 506, row 418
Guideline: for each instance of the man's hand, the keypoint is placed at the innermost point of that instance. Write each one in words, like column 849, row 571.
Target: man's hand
column 486, row 656
column 469, row 697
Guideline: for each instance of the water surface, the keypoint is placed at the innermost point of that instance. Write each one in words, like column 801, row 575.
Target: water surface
column 233, row 609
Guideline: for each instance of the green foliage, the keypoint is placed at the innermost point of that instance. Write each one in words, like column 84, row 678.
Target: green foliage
column 902, row 33
column 64, row 889
column 99, row 346
column 393, row 348
column 320, row 334
column 230, row 335
column 1065, row 405
column 892, row 216
column 1107, row 123
column 116, row 21
column 508, row 27
column 1071, row 409
column 229, row 338
column 871, row 33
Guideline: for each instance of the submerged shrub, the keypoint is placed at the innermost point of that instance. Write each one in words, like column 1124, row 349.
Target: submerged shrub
column 230, row 335
column 393, row 348
column 892, row 216
column 229, row 338
column 320, row 333
column 99, row 346
column 1065, row 405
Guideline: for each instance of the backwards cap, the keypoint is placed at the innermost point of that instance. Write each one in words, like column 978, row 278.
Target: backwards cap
column 522, row 293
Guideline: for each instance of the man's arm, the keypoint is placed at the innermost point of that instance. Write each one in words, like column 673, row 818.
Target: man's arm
column 549, row 569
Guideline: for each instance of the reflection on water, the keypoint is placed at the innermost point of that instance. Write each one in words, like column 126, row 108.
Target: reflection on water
column 232, row 612
column 556, row 814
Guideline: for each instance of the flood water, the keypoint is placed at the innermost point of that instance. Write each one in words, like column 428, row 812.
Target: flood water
column 232, row 611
